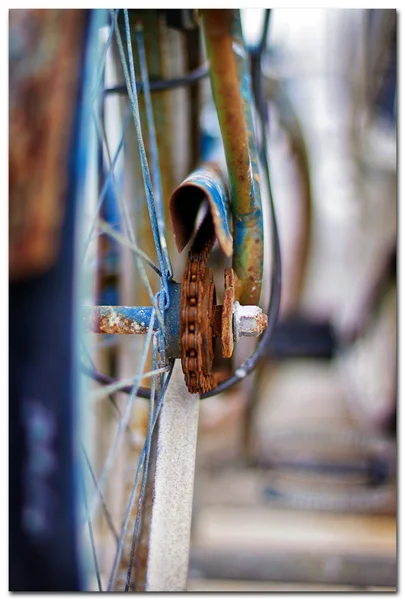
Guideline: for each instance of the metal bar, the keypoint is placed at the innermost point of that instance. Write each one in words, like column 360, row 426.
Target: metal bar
column 119, row 319
column 231, row 88
column 135, row 320
column 169, row 540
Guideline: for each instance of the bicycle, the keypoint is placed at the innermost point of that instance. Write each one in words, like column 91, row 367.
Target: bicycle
column 154, row 555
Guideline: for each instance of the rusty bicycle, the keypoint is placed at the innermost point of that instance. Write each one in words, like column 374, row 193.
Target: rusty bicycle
column 165, row 258
column 216, row 205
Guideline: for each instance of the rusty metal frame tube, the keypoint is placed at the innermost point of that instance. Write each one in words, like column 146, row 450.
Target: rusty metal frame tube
column 136, row 319
column 119, row 319
column 231, row 87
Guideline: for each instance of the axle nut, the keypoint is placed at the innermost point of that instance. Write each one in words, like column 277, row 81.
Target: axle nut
column 248, row 321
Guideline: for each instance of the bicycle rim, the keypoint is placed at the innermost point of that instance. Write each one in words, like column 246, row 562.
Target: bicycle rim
column 124, row 260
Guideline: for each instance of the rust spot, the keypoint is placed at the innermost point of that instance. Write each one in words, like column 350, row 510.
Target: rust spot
column 262, row 322
column 236, row 125
column 101, row 320
column 216, row 321
column 197, row 315
column 226, row 89
column 227, row 311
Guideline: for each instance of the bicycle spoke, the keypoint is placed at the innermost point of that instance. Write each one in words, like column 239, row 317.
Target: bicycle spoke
column 130, row 231
column 133, row 97
column 122, row 205
column 93, row 547
column 104, row 189
column 135, row 485
column 145, row 471
column 106, row 228
column 102, row 500
column 110, row 396
column 149, row 191
column 124, row 421
column 145, row 514
column 100, row 72
column 116, row 386
column 113, row 217
column 154, row 152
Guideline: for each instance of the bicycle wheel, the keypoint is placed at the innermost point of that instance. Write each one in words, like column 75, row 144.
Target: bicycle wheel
column 140, row 319
column 49, row 59
column 115, row 268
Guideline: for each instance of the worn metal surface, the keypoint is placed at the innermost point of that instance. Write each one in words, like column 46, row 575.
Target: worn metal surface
column 201, row 321
column 118, row 319
column 231, row 88
column 45, row 47
column 248, row 321
column 198, row 299
column 136, row 320
column 205, row 184
column 227, row 333
column 169, row 540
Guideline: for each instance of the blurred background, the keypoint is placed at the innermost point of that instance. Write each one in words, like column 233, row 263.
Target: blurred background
column 296, row 473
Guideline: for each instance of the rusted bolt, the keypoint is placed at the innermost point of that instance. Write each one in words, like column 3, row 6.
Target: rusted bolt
column 249, row 321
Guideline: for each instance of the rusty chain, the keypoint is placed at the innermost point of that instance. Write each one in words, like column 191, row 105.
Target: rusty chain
column 202, row 320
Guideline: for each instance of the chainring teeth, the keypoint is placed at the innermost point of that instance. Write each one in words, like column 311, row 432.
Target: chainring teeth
column 196, row 335
column 201, row 321
column 226, row 316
